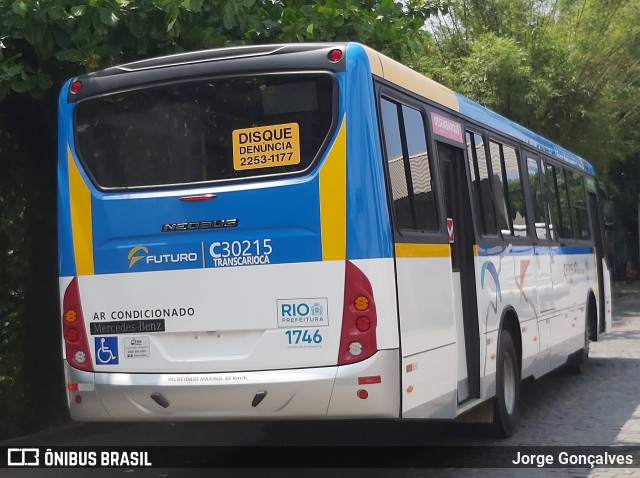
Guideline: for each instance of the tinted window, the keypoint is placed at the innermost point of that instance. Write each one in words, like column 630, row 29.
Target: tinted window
column 402, row 204
column 553, row 200
column 578, row 205
column 517, row 211
column 537, row 197
column 480, row 187
column 565, row 228
column 505, row 175
column 216, row 129
column 409, row 167
column 498, row 189
column 419, row 165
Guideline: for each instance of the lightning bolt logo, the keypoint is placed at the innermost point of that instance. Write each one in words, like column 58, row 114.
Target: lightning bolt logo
column 133, row 258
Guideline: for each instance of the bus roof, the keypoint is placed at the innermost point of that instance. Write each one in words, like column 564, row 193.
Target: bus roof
column 395, row 72
column 313, row 55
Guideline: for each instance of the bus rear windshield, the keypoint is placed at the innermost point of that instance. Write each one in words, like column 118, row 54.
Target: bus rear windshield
column 207, row 130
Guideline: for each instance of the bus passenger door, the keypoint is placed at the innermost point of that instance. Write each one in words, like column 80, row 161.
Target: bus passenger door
column 598, row 240
column 453, row 180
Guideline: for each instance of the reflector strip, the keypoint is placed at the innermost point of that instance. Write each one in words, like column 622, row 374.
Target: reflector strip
column 369, row 380
column 201, row 197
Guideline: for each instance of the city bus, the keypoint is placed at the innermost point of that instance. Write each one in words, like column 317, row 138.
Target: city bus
column 314, row 231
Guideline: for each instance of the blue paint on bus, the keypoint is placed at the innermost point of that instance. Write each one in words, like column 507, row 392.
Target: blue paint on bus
column 482, row 115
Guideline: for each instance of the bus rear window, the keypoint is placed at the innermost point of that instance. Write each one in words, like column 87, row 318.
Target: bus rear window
column 209, row 130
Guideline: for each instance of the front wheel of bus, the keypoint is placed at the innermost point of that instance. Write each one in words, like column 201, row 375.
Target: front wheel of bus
column 506, row 401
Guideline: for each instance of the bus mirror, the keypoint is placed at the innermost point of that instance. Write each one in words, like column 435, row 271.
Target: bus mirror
column 608, row 213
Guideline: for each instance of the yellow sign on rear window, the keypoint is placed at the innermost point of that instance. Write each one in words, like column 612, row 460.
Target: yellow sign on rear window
column 266, row 146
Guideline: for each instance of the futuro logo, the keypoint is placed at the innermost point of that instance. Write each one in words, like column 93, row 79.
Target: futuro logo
column 133, row 258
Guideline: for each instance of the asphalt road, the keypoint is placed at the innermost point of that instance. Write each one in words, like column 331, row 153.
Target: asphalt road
column 601, row 407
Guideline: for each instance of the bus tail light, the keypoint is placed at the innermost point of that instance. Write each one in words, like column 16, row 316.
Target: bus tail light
column 359, row 320
column 335, row 56
column 76, row 344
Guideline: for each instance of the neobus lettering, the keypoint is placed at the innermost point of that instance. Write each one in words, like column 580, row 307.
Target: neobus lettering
column 277, row 134
column 192, row 226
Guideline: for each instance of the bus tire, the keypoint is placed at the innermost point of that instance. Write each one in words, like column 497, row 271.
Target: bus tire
column 507, row 399
column 577, row 363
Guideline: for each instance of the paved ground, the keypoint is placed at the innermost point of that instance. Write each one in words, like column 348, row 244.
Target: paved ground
column 601, row 407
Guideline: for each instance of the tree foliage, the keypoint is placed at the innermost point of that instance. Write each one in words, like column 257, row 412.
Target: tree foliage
column 45, row 41
column 568, row 69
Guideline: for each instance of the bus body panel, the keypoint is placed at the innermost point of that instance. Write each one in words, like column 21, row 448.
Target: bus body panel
column 428, row 329
column 213, row 328
column 195, row 306
column 146, row 266
column 369, row 233
column 222, row 299
column 323, row 392
column 547, row 337
column 544, row 278
column 66, row 260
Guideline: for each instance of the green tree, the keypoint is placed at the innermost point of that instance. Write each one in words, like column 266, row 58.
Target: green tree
column 566, row 69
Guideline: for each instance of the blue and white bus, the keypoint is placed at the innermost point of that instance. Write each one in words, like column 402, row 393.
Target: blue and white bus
column 314, row 231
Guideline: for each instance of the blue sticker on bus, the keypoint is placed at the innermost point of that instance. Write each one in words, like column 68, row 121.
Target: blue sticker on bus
column 106, row 350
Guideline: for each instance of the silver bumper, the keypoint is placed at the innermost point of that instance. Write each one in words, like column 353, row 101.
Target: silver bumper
column 323, row 392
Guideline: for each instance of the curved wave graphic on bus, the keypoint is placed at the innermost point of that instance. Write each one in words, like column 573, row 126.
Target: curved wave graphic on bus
column 491, row 268
column 500, row 252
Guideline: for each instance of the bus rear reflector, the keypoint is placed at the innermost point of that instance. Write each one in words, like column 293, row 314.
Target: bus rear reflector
column 76, row 344
column 359, row 320
column 369, row 380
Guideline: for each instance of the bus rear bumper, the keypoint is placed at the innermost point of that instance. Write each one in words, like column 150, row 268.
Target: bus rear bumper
column 323, row 392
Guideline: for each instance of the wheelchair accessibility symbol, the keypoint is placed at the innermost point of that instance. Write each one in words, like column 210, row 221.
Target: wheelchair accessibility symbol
column 106, row 350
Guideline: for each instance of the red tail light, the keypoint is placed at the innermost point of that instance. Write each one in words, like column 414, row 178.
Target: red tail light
column 359, row 320
column 76, row 344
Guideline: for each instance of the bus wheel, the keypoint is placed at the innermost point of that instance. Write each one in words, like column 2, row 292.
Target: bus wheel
column 577, row 363
column 506, row 401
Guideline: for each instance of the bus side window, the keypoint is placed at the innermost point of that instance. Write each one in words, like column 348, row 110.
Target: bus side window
column 537, row 197
column 565, row 230
column 499, row 190
column 409, row 169
column 481, row 189
column 579, row 206
column 402, row 203
column 517, row 210
column 419, row 165
column 553, row 201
